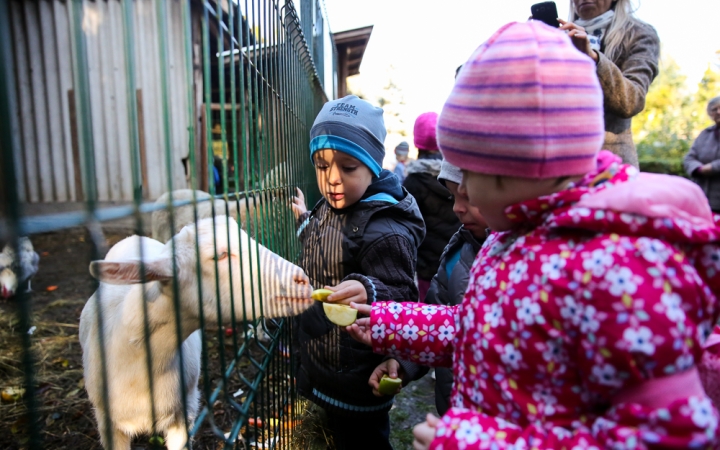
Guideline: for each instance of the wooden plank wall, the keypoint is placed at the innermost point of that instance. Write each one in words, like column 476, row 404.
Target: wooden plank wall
column 44, row 67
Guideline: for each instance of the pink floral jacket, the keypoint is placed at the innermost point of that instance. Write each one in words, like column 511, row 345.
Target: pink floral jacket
column 564, row 317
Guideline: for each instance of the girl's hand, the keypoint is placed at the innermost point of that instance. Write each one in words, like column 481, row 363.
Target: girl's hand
column 579, row 38
column 392, row 368
column 425, row 432
column 347, row 292
column 360, row 330
column 298, row 203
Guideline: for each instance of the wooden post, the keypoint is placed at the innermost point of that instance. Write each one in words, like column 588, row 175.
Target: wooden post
column 141, row 143
column 77, row 165
column 203, row 160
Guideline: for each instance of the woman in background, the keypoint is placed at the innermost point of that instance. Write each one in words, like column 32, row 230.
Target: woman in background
column 702, row 162
column 626, row 51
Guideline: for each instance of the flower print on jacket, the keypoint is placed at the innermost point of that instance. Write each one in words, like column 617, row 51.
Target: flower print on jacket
column 622, row 300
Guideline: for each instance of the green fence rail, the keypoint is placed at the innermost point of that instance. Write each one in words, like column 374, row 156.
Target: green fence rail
column 211, row 96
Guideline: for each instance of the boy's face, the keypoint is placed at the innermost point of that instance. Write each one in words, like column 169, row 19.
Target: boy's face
column 468, row 215
column 342, row 179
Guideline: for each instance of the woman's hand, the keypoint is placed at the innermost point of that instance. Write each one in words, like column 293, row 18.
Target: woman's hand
column 298, row 203
column 392, row 368
column 347, row 292
column 425, row 432
column 705, row 169
column 579, row 38
column 360, row 330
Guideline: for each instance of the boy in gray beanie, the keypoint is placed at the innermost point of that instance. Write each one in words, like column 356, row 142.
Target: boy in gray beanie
column 360, row 241
column 401, row 155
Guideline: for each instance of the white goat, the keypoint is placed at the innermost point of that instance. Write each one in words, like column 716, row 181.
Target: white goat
column 119, row 299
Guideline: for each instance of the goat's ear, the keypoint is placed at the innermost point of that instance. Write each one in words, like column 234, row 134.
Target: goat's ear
column 128, row 272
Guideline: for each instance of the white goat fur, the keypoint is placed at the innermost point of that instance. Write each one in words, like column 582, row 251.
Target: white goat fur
column 285, row 291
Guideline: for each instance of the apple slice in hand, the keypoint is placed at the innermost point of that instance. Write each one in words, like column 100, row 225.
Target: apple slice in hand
column 389, row 386
column 340, row 314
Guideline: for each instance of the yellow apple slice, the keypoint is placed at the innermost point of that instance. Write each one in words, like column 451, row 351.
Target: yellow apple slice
column 389, row 386
column 321, row 294
column 340, row 314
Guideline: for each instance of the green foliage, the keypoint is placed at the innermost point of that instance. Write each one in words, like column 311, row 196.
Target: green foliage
column 672, row 118
column 672, row 166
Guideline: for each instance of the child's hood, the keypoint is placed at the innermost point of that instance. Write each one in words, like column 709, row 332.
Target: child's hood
column 619, row 199
column 386, row 188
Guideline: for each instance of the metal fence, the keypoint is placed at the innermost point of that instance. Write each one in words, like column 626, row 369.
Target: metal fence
column 121, row 101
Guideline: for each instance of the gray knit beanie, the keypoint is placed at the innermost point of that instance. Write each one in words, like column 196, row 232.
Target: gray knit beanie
column 450, row 173
column 353, row 126
column 402, row 148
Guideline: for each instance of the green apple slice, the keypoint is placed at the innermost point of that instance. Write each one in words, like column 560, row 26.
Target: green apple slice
column 321, row 294
column 389, row 386
column 340, row 314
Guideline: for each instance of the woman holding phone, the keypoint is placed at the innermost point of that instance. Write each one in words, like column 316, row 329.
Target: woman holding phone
column 626, row 51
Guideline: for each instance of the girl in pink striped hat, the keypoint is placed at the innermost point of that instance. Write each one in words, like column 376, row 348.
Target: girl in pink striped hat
column 588, row 305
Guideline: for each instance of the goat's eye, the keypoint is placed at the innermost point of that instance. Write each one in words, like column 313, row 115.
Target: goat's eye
column 222, row 255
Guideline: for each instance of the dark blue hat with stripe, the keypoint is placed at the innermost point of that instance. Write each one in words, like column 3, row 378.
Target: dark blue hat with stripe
column 353, row 126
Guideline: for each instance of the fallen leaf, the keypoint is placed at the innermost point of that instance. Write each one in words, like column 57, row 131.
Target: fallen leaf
column 257, row 422
column 72, row 393
column 45, row 254
column 12, row 394
column 51, row 288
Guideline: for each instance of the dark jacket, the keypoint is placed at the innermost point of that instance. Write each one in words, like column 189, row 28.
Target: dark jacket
column 625, row 82
column 450, row 290
column 436, row 207
column 705, row 150
column 375, row 242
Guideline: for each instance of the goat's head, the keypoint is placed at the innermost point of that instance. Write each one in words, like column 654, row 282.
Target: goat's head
column 220, row 263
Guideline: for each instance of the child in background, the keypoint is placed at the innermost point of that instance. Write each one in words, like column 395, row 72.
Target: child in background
column 433, row 199
column 448, row 286
column 587, row 307
column 359, row 241
column 401, row 155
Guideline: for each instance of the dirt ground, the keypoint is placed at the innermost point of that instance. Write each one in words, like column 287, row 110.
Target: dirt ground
column 60, row 290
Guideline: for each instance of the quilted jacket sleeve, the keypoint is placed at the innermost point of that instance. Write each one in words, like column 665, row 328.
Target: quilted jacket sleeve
column 414, row 332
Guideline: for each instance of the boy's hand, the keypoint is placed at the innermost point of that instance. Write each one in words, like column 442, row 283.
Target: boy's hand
column 298, row 203
column 347, row 292
column 425, row 432
column 392, row 368
column 360, row 330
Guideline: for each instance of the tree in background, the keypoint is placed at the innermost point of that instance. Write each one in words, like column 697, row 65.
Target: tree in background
column 673, row 117
column 392, row 100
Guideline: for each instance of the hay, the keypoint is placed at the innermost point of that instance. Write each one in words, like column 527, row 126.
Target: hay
column 312, row 432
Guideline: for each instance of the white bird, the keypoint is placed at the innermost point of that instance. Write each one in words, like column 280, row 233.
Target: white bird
column 15, row 270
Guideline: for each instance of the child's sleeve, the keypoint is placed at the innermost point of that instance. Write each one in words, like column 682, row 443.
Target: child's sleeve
column 387, row 270
column 415, row 332
column 302, row 223
column 636, row 320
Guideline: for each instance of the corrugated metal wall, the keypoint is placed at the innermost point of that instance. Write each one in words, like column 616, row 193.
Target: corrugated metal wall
column 44, row 66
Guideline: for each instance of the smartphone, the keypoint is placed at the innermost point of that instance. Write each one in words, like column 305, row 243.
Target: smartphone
column 545, row 12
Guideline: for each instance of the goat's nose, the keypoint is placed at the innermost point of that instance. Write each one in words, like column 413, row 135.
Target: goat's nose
column 301, row 279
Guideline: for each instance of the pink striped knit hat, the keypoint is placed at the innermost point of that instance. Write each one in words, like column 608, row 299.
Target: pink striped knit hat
column 526, row 104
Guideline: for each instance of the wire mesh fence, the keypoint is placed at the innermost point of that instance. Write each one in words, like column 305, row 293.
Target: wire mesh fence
column 166, row 118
